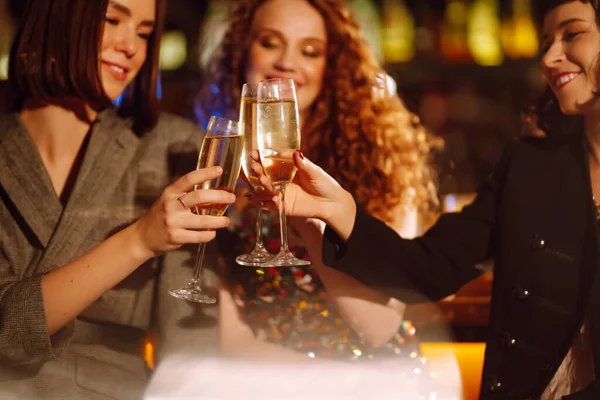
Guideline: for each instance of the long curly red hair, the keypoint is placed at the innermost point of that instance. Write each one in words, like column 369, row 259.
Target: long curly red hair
column 369, row 142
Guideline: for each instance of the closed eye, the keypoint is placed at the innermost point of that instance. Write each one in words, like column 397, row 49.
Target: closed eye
column 571, row 35
column 269, row 44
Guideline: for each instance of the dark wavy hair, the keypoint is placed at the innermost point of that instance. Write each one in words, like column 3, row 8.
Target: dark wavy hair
column 369, row 142
column 545, row 114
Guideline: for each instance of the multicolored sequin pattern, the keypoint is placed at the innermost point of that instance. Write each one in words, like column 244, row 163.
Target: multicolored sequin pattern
column 290, row 306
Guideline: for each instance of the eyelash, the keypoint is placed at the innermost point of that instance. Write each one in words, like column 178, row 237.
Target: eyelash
column 315, row 54
column 115, row 22
column 571, row 35
column 270, row 45
column 567, row 37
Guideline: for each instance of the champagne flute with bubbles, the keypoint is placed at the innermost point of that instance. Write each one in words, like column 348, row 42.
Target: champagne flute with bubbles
column 248, row 126
column 222, row 146
column 278, row 134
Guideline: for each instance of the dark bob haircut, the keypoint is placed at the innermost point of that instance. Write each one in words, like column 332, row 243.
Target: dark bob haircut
column 55, row 55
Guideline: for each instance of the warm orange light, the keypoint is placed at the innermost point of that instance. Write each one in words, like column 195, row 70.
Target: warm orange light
column 453, row 37
column 469, row 357
column 519, row 35
column 149, row 353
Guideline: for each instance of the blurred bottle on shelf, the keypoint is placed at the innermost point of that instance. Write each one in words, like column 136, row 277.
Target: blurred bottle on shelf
column 6, row 33
column 484, row 33
column 453, row 35
column 426, row 30
column 519, row 34
column 367, row 15
column 398, row 33
column 212, row 29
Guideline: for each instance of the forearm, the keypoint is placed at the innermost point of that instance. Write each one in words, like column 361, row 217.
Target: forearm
column 70, row 289
column 237, row 339
column 341, row 215
column 372, row 315
column 254, row 348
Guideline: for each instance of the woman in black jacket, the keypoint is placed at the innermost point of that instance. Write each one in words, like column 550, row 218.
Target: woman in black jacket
column 536, row 216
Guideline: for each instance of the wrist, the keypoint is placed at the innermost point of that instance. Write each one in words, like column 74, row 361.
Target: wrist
column 140, row 250
column 307, row 226
column 341, row 215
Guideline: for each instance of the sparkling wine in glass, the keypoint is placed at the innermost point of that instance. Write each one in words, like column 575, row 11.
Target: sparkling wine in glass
column 248, row 125
column 222, row 146
column 278, row 134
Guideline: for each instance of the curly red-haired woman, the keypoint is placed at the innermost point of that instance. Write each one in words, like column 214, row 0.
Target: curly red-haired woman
column 362, row 136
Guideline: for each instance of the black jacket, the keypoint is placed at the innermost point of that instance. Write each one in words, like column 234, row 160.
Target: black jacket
column 535, row 217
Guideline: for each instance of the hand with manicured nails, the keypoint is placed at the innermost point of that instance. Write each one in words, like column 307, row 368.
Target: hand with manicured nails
column 312, row 194
column 168, row 225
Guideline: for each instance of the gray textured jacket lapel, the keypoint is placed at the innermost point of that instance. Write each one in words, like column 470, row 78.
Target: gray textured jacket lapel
column 24, row 180
column 60, row 231
column 110, row 151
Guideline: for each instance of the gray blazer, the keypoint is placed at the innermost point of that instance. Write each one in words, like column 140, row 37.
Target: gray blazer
column 97, row 356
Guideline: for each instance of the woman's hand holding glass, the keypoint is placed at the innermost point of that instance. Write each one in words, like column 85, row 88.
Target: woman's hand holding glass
column 168, row 225
column 312, row 194
column 278, row 136
column 221, row 148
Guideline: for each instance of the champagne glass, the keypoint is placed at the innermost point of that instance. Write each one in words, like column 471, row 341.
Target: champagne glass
column 278, row 135
column 248, row 125
column 222, row 146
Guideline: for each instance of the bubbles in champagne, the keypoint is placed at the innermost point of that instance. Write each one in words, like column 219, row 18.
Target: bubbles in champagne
column 279, row 137
column 224, row 151
column 248, row 126
column 279, row 165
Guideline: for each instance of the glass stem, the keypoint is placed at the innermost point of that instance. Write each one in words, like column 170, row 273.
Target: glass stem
column 283, row 221
column 259, row 237
column 199, row 260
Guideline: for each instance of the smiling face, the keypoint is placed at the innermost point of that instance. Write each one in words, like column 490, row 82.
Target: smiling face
column 289, row 40
column 127, row 29
column 571, row 46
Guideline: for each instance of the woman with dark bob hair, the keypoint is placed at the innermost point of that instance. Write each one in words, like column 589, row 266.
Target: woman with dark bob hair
column 85, row 202
column 537, row 216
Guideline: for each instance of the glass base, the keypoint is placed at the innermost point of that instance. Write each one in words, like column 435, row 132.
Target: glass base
column 192, row 292
column 255, row 258
column 285, row 259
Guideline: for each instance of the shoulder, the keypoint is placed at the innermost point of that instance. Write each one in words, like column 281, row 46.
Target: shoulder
column 542, row 144
column 174, row 126
column 175, row 133
column 171, row 146
column 539, row 151
column 8, row 121
column 167, row 123
column 167, row 120
column 7, row 117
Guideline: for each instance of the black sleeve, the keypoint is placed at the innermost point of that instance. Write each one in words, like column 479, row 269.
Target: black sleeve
column 592, row 392
column 427, row 268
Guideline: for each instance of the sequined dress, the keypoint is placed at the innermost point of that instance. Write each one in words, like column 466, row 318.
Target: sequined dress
column 290, row 307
